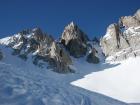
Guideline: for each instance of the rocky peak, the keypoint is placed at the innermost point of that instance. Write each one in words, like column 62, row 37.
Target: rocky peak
column 72, row 24
column 59, row 58
column 42, row 48
column 130, row 21
column 38, row 34
column 72, row 31
column 74, row 39
column 111, row 40
column 122, row 39
column 92, row 56
column 35, row 33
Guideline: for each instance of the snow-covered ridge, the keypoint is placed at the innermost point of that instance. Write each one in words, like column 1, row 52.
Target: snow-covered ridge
column 43, row 47
column 6, row 41
column 35, row 86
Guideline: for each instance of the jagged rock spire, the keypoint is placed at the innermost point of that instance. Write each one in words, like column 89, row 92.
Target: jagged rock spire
column 72, row 31
column 75, row 40
column 60, row 59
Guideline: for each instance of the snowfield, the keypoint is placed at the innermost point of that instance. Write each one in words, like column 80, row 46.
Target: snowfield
column 22, row 83
column 119, row 82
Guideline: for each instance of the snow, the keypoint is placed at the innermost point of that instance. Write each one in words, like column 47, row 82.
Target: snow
column 5, row 41
column 22, row 83
column 119, row 82
column 133, row 31
column 16, row 46
column 107, row 36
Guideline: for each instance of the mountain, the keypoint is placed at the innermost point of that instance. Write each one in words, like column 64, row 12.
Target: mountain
column 45, row 50
column 41, row 47
column 122, row 39
column 36, row 69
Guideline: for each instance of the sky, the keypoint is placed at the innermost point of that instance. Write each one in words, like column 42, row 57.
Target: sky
column 92, row 16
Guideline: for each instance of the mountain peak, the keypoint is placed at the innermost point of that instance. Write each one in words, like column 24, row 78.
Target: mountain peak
column 72, row 31
column 72, row 23
column 122, row 39
column 71, row 26
column 36, row 29
column 75, row 40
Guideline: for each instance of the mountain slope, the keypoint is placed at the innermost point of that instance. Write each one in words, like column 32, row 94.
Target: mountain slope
column 22, row 85
column 120, row 82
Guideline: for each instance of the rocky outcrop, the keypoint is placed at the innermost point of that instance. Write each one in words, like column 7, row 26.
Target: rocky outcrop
column 122, row 39
column 113, row 41
column 59, row 58
column 74, row 40
column 55, row 55
column 94, row 54
column 28, row 41
column 92, row 58
column 129, row 21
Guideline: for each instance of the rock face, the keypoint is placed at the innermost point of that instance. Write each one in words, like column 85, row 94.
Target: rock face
column 122, row 40
column 74, row 40
column 92, row 58
column 113, row 41
column 29, row 41
column 129, row 21
column 59, row 58
column 95, row 54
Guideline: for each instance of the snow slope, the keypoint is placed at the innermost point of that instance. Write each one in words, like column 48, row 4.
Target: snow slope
column 22, row 83
column 119, row 82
